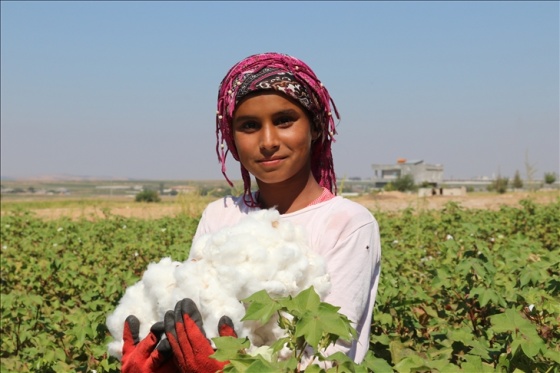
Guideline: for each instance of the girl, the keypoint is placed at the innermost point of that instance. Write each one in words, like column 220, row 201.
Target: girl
column 276, row 118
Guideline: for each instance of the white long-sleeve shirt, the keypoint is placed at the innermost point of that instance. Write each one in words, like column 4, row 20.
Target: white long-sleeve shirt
column 346, row 235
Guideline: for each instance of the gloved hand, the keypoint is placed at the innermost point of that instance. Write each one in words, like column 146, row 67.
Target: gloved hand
column 148, row 355
column 191, row 348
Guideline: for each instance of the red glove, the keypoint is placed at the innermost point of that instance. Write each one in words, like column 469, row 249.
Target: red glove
column 148, row 355
column 186, row 335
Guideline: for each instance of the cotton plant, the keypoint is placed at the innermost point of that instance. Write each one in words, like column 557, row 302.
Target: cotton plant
column 261, row 252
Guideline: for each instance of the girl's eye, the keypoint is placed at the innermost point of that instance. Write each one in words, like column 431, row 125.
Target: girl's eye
column 285, row 120
column 247, row 126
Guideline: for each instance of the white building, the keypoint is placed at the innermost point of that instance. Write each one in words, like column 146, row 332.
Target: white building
column 421, row 172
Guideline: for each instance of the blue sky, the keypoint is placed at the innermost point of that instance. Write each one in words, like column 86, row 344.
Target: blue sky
column 128, row 89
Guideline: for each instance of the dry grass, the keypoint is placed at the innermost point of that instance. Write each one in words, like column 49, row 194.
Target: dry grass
column 192, row 204
column 394, row 201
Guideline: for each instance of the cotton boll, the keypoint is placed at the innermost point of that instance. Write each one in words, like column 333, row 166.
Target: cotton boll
column 190, row 280
column 132, row 303
column 158, row 281
column 288, row 233
column 267, row 334
column 260, row 252
column 148, row 299
column 322, row 285
column 198, row 246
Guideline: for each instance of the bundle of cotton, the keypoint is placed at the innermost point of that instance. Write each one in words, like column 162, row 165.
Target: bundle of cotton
column 260, row 252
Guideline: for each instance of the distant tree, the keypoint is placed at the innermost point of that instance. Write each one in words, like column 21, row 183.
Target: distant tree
column 404, row 183
column 530, row 170
column 549, row 177
column 517, row 183
column 499, row 185
column 31, row 189
column 147, row 196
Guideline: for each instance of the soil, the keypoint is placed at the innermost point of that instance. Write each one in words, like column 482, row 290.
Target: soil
column 384, row 201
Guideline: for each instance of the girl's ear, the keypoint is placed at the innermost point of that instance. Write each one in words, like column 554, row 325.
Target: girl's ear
column 315, row 134
column 315, row 128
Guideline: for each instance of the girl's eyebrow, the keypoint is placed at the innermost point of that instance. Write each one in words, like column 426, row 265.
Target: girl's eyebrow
column 276, row 114
column 286, row 112
column 244, row 117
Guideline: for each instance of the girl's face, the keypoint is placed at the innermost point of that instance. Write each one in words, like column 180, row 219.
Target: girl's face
column 273, row 137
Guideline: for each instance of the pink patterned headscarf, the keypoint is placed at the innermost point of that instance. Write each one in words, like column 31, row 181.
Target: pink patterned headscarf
column 292, row 77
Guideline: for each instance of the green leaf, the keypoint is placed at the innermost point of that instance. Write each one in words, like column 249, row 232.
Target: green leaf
column 375, row 364
column 383, row 339
column 530, row 275
column 326, row 320
column 279, row 344
column 512, row 321
column 338, row 357
column 313, row 368
column 410, row 364
column 553, row 355
column 228, row 348
column 261, row 307
column 523, row 332
column 532, row 346
column 465, row 336
column 309, row 328
column 346, row 367
column 335, row 323
column 384, row 319
column 236, row 366
column 288, row 365
column 444, row 365
column 258, row 297
column 306, row 301
column 261, row 366
column 474, row 364
column 485, row 295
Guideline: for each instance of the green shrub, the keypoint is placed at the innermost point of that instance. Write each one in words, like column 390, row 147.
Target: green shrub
column 499, row 185
column 147, row 196
column 549, row 177
column 389, row 187
column 405, row 183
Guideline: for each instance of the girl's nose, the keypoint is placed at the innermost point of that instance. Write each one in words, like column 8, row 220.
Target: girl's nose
column 269, row 138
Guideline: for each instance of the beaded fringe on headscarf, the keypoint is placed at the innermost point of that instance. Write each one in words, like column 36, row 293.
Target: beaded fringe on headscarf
column 319, row 106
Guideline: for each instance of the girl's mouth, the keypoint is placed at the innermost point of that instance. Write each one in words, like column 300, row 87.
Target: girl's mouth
column 270, row 162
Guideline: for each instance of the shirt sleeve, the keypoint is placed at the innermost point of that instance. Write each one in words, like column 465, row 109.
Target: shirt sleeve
column 202, row 227
column 353, row 264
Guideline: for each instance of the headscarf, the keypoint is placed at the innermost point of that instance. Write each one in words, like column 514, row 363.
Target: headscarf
column 292, row 77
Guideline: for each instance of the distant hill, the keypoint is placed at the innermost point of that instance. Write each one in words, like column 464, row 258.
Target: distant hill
column 64, row 177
